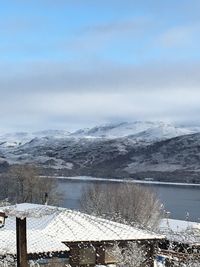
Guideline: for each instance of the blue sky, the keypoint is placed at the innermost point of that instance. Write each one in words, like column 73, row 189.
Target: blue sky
column 68, row 64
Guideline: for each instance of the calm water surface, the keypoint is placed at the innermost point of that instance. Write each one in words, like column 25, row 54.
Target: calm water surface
column 177, row 199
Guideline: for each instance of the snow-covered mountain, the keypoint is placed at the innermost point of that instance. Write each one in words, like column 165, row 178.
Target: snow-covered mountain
column 21, row 138
column 137, row 149
column 141, row 130
column 14, row 139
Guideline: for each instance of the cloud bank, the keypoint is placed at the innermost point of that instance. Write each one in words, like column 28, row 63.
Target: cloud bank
column 76, row 64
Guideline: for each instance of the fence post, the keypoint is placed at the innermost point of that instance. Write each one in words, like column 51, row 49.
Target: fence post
column 21, row 243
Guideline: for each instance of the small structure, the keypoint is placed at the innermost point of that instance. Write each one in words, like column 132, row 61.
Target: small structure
column 74, row 237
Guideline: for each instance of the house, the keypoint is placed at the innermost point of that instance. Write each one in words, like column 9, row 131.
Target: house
column 69, row 236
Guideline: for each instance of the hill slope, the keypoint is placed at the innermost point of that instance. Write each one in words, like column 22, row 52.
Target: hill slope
column 142, row 130
column 135, row 155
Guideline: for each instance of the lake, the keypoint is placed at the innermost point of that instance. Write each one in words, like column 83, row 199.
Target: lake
column 178, row 199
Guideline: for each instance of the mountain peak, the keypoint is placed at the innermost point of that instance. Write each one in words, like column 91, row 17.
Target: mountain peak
column 152, row 130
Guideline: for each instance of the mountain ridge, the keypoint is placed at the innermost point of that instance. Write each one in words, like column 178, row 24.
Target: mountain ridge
column 148, row 153
column 138, row 129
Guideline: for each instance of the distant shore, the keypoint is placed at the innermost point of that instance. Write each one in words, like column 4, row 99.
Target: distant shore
column 89, row 178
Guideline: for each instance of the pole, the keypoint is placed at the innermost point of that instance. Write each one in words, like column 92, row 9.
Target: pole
column 21, row 243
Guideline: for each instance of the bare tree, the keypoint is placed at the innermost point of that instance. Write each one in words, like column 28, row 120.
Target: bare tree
column 128, row 203
column 25, row 185
column 133, row 255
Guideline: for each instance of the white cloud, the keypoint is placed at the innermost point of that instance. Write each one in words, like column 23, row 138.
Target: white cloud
column 44, row 110
column 59, row 95
column 179, row 36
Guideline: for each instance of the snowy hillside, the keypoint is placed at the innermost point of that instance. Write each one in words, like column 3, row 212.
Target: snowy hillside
column 141, row 130
column 21, row 138
column 14, row 139
column 139, row 149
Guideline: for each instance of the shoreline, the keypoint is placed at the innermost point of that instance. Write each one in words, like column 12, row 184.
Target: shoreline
column 93, row 179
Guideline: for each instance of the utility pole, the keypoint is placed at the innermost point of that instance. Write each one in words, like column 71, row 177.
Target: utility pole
column 22, row 259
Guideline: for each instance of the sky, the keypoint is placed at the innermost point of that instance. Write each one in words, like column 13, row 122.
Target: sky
column 69, row 64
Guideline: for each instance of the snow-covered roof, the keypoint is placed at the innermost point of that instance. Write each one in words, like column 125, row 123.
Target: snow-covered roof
column 29, row 210
column 178, row 225
column 48, row 227
column 181, row 231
